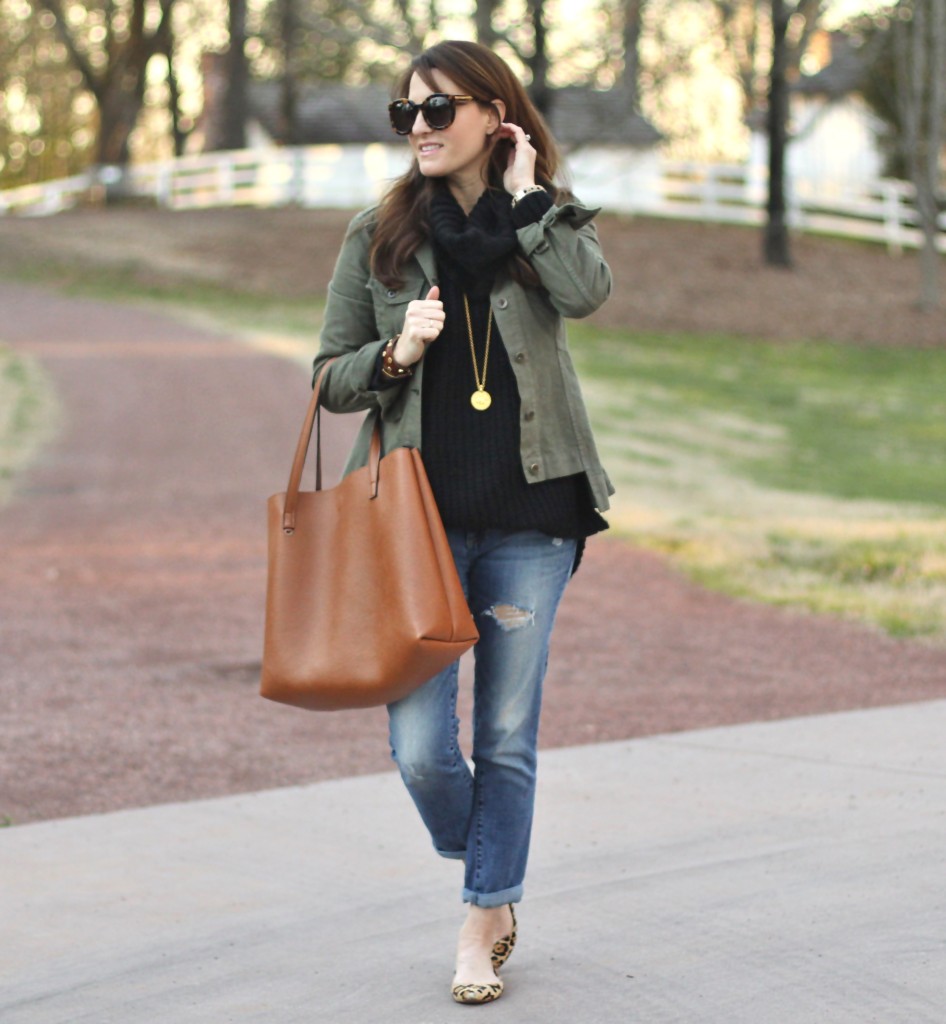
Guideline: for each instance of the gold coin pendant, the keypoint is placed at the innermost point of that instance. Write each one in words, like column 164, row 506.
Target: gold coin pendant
column 480, row 400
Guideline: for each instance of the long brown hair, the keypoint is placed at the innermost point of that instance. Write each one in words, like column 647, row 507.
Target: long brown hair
column 403, row 219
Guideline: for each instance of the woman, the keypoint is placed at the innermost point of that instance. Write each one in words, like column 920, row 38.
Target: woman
column 445, row 313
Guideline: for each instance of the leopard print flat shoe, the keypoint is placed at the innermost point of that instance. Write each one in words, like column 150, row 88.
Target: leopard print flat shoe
column 474, row 994
column 502, row 948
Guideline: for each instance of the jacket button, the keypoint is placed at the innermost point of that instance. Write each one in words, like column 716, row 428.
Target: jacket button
column 534, row 468
column 520, row 357
column 391, row 293
column 503, row 303
column 529, row 416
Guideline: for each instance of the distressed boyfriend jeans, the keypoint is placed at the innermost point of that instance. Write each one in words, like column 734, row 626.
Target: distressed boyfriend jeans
column 514, row 583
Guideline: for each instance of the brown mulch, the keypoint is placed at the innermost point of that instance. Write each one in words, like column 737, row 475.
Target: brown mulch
column 669, row 276
column 134, row 552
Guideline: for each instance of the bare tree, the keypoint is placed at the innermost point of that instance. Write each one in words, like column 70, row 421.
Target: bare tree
column 740, row 26
column 289, row 33
column 775, row 237
column 745, row 27
column 483, row 14
column 527, row 39
column 178, row 132
column 920, row 47
column 538, row 62
column 237, row 75
column 787, row 51
column 45, row 124
column 118, row 84
column 313, row 41
column 633, row 11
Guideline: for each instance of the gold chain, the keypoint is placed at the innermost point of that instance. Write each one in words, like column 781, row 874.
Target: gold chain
column 480, row 398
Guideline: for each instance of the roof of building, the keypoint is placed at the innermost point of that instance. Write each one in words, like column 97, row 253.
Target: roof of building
column 327, row 112
column 582, row 116
column 843, row 75
column 333, row 113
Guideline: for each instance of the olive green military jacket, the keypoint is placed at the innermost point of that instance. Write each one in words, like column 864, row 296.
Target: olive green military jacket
column 361, row 314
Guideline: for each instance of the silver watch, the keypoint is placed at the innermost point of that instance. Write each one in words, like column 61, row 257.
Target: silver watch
column 524, row 192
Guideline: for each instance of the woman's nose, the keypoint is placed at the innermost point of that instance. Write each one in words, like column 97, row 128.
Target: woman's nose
column 420, row 125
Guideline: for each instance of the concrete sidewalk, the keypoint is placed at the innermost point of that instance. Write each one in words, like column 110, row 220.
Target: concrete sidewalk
column 780, row 873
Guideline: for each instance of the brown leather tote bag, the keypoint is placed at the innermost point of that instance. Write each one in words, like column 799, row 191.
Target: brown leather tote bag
column 363, row 600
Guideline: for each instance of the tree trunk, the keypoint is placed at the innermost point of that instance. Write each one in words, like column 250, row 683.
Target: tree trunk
column 118, row 88
column 630, row 77
column 178, row 134
column 930, row 258
column 539, row 64
column 776, row 247
column 233, row 127
column 119, row 108
column 289, row 27
column 920, row 55
column 483, row 21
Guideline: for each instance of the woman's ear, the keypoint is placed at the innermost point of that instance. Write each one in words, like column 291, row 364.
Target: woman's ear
column 497, row 113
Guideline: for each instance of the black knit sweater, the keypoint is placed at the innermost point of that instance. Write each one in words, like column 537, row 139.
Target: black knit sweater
column 473, row 458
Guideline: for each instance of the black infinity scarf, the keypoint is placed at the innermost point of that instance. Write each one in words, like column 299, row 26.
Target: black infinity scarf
column 477, row 245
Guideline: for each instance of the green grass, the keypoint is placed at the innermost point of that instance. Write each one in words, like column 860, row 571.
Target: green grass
column 28, row 414
column 808, row 474
column 803, row 474
column 858, row 423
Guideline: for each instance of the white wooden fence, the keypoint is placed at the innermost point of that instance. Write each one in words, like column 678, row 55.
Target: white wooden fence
column 353, row 176
column 882, row 210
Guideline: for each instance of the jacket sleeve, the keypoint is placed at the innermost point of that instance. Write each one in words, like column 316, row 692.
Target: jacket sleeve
column 349, row 329
column 563, row 248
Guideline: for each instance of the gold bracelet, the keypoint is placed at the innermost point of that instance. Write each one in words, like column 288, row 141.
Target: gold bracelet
column 390, row 367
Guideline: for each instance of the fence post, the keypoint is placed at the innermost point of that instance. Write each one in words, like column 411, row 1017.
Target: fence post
column 225, row 172
column 297, row 184
column 162, row 184
column 795, row 213
column 892, row 224
column 709, row 188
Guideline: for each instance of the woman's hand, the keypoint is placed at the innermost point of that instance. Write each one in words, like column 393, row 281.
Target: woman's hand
column 423, row 323
column 520, row 171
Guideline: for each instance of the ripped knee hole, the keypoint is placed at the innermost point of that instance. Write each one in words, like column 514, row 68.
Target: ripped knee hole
column 509, row 617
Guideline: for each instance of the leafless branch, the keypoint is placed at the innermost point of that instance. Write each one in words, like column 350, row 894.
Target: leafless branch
column 92, row 82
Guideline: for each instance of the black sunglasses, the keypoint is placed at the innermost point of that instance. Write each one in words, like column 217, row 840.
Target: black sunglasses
column 438, row 109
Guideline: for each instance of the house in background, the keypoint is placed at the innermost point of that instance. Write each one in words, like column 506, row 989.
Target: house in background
column 834, row 148
column 610, row 150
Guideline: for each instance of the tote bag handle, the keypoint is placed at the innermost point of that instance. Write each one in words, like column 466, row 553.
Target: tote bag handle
column 314, row 419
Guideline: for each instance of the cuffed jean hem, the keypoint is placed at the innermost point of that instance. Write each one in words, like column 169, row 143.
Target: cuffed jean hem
column 493, row 899
column 452, row 854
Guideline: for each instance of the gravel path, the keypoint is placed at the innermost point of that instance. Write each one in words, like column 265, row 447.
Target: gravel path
column 133, row 576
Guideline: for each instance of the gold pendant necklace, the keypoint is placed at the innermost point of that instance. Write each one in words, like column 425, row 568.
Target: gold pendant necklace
column 481, row 398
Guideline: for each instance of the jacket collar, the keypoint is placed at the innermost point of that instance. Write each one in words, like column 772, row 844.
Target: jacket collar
column 428, row 264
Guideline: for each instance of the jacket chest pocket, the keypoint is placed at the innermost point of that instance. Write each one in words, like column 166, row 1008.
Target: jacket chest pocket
column 390, row 305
